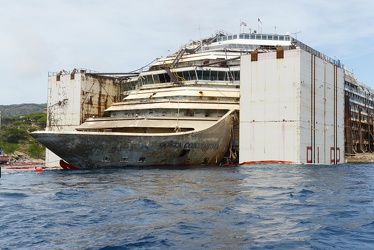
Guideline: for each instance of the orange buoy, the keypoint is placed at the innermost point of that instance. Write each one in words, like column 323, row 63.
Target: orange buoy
column 39, row 169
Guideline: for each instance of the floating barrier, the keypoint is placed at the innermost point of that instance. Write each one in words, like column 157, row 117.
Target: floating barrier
column 266, row 162
column 23, row 166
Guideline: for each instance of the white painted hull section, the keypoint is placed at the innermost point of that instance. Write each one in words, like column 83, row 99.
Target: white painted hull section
column 291, row 109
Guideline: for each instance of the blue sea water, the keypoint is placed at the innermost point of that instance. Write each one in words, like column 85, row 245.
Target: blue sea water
column 243, row 207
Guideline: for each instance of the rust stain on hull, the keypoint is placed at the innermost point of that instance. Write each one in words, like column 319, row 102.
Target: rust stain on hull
column 110, row 149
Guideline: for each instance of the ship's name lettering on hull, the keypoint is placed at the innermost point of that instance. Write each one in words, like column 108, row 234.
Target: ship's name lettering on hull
column 189, row 145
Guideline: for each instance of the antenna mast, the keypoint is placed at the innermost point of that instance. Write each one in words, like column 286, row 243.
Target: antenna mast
column 296, row 34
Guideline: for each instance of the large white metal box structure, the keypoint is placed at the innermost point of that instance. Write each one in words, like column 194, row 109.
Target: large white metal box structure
column 72, row 98
column 291, row 108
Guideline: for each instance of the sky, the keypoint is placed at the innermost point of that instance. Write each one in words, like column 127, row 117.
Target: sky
column 42, row 36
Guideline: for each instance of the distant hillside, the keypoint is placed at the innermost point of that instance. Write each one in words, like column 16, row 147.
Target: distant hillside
column 15, row 134
column 21, row 109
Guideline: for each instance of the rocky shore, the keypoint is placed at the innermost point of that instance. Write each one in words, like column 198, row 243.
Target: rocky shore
column 360, row 158
column 21, row 158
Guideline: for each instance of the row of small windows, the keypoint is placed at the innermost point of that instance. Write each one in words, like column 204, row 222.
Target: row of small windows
column 360, row 99
column 358, row 108
column 359, row 90
column 356, row 117
column 208, row 75
column 255, row 36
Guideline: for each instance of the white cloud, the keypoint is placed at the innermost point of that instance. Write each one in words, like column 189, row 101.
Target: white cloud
column 38, row 36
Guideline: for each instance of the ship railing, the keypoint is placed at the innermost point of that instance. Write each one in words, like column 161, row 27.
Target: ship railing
column 359, row 88
column 362, row 94
column 197, row 44
column 317, row 53
column 67, row 72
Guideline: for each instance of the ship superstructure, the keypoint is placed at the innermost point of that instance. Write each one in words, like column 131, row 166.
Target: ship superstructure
column 359, row 114
column 181, row 110
column 184, row 109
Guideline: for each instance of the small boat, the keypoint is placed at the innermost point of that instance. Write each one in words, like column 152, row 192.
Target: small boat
column 3, row 159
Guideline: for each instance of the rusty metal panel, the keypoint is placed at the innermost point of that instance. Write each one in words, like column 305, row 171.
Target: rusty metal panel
column 280, row 53
column 98, row 94
column 75, row 96
column 72, row 101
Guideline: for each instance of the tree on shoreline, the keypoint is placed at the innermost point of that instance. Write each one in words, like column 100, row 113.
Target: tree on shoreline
column 15, row 134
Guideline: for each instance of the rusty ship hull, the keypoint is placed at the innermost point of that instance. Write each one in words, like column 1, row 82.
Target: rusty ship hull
column 83, row 149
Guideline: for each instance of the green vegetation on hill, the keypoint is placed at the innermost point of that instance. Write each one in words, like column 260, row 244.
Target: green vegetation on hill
column 14, row 134
column 21, row 109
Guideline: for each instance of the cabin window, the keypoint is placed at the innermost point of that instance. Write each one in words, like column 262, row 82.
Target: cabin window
column 186, row 75
column 162, row 78
column 221, row 75
column 199, row 74
column 213, row 75
column 190, row 112
column 143, row 80
column 193, row 75
column 148, row 79
column 206, row 75
column 236, row 75
column 156, row 78
column 125, row 159
column 141, row 159
column 135, row 84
